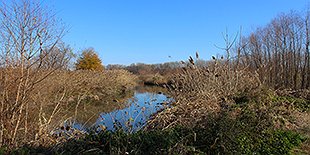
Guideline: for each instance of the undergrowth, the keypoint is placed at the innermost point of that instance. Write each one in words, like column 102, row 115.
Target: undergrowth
column 301, row 105
column 177, row 140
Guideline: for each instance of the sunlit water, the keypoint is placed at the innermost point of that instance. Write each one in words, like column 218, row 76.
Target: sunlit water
column 134, row 117
column 140, row 109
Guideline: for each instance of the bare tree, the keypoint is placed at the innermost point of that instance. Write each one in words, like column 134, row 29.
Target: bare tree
column 279, row 52
column 306, row 71
column 28, row 35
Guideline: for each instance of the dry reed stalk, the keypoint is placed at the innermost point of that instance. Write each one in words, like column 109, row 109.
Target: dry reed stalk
column 201, row 91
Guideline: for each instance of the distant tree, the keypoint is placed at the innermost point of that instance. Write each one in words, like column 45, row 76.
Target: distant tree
column 89, row 60
column 115, row 66
column 57, row 57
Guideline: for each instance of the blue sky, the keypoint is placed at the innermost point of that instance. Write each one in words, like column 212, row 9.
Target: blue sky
column 155, row 31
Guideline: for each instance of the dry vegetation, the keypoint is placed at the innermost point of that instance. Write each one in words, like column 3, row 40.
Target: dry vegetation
column 253, row 101
column 151, row 74
column 201, row 91
column 75, row 94
column 279, row 52
column 261, row 87
column 235, row 110
column 36, row 86
column 65, row 95
column 30, row 52
column 275, row 57
column 219, row 109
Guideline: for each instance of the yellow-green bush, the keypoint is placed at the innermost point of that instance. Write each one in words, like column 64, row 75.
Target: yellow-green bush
column 89, row 60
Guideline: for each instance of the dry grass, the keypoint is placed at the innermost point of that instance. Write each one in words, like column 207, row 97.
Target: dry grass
column 81, row 93
column 63, row 95
column 219, row 109
column 201, row 91
column 153, row 79
column 232, row 104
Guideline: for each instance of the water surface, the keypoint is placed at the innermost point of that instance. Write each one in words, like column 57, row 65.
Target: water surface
column 140, row 108
column 129, row 114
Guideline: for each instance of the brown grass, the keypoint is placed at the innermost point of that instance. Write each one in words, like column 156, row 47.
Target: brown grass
column 154, row 79
column 64, row 95
column 82, row 92
column 201, row 91
column 223, row 95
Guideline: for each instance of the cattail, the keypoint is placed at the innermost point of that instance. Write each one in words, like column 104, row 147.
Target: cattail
column 191, row 60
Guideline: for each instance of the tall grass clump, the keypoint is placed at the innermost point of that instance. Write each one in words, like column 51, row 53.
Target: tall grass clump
column 236, row 112
column 199, row 91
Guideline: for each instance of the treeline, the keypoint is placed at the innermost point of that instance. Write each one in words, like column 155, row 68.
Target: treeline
column 142, row 68
column 160, row 68
column 279, row 52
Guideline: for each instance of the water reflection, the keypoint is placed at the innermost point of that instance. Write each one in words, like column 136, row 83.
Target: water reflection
column 85, row 114
column 139, row 110
column 130, row 114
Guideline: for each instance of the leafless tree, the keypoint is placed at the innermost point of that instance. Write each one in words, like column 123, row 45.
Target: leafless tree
column 29, row 36
column 279, row 52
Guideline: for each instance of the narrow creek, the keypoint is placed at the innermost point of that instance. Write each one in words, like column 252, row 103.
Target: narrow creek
column 138, row 109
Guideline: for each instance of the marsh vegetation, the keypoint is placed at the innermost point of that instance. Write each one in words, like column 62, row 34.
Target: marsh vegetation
column 255, row 99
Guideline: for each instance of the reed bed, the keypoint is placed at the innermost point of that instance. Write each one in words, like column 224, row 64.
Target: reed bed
column 60, row 96
column 234, row 109
column 200, row 91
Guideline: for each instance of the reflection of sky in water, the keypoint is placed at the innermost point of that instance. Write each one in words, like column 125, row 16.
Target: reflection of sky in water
column 134, row 117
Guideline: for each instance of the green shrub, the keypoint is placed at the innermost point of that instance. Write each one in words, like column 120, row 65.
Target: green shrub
column 300, row 104
column 3, row 149
column 281, row 142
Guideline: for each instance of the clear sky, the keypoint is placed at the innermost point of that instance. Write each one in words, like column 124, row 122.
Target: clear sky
column 155, row 31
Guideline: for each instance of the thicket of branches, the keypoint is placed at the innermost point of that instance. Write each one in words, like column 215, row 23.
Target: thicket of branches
column 279, row 52
column 30, row 51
